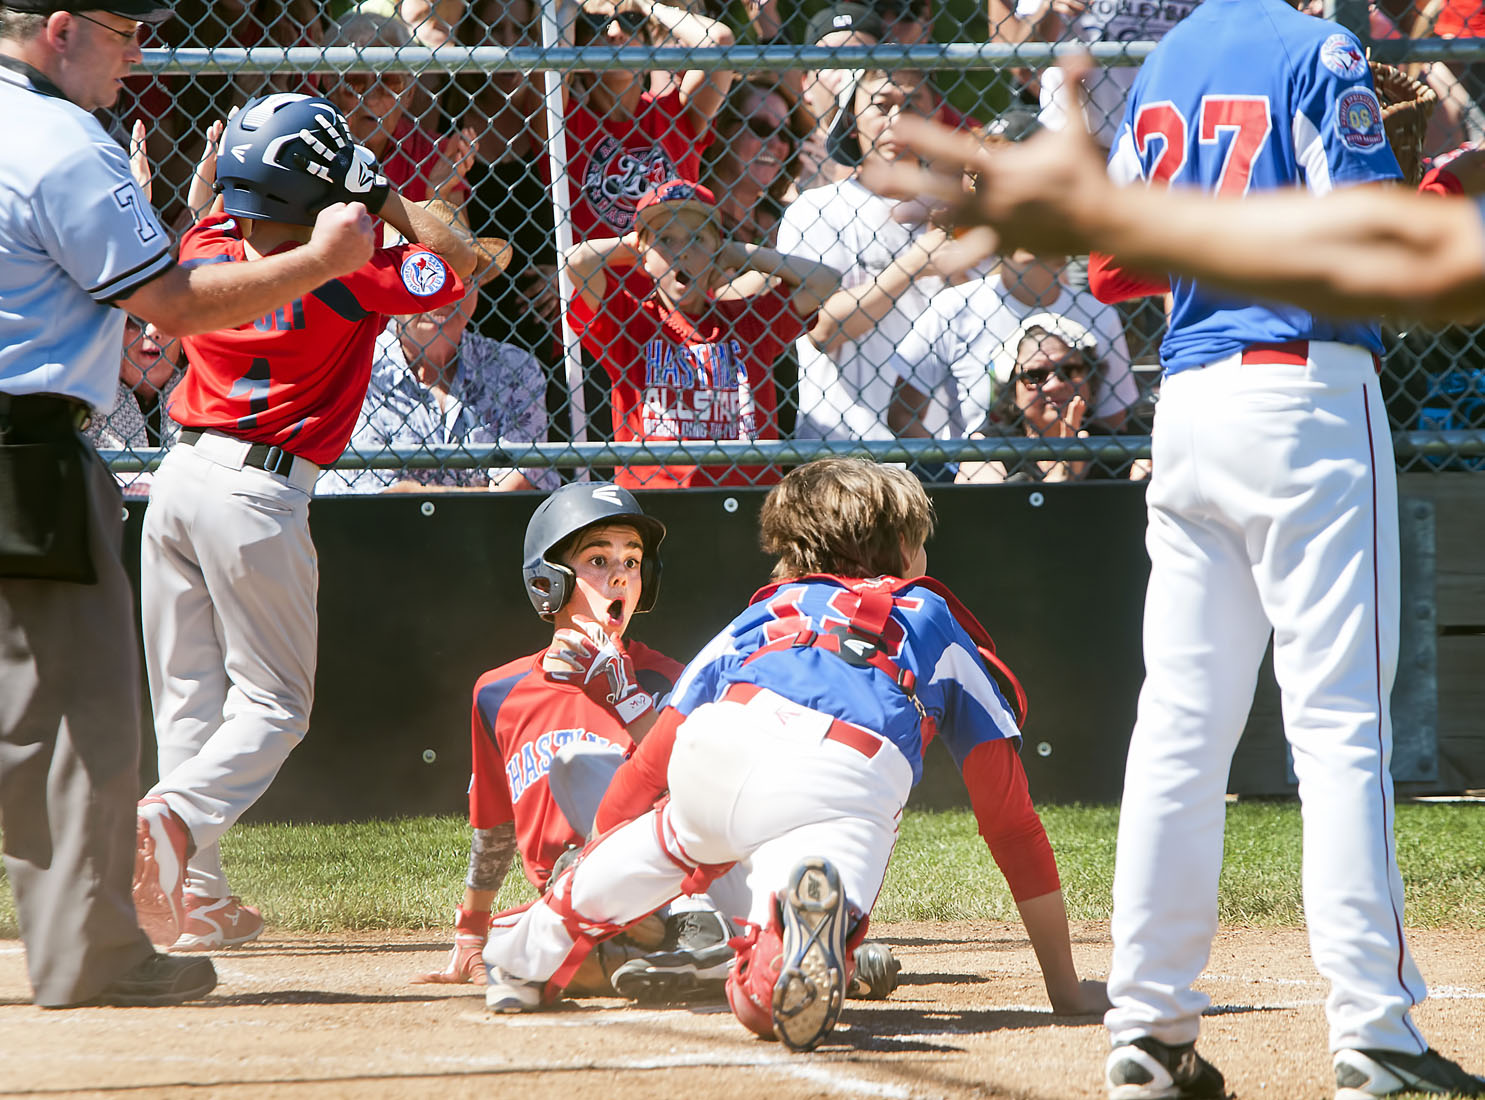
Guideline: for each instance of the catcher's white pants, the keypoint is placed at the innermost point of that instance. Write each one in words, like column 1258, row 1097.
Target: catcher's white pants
column 755, row 782
column 228, row 581
column 1273, row 505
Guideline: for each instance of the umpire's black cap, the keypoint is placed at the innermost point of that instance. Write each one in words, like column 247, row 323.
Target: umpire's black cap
column 146, row 11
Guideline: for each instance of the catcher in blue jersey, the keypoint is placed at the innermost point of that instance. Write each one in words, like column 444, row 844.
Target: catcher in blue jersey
column 791, row 742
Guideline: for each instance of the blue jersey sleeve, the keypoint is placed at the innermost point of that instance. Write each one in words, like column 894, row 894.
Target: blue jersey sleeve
column 1338, row 134
column 701, row 680
column 974, row 710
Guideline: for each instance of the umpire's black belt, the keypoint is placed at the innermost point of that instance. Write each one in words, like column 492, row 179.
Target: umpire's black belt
column 42, row 415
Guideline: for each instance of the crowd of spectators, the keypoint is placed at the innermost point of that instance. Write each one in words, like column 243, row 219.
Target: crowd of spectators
column 927, row 334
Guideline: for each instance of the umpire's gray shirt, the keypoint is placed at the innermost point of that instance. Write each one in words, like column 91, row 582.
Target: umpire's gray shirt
column 75, row 234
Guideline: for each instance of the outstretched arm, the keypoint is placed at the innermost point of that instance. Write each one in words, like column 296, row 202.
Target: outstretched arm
column 1009, row 823
column 810, row 281
column 490, row 855
column 1358, row 252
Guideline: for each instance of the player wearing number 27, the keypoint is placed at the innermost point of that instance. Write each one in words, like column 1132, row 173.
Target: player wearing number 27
column 228, row 573
column 1273, row 509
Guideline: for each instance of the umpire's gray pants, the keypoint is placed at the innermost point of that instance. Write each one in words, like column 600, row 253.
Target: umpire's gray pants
column 69, row 765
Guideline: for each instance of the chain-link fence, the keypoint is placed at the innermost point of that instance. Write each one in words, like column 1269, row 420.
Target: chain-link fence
column 782, row 311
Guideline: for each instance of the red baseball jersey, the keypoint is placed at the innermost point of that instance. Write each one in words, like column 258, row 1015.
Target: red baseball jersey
column 613, row 161
column 675, row 376
column 297, row 377
column 519, row 720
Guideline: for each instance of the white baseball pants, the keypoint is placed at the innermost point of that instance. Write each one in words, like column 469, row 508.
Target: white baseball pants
column 1273, row 506
column 753, row 781
column 228, row 580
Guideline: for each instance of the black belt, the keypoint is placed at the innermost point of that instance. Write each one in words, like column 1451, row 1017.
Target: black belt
column 260, row 456
column 43, row 413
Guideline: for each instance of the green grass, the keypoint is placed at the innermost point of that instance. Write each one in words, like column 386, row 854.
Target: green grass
column 408, row 874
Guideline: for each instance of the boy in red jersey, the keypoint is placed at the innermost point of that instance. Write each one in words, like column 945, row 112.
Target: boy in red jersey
column 549, row 729
column 228, row 569
column 691, row 358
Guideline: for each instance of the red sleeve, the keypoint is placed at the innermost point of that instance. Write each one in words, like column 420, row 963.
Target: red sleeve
column 489, row 794
column 602, row 331
column 642, row 778
column 1008, row 821
column 1111, row 283
column 406, row 278
column 1440, row 181
column 655, row 661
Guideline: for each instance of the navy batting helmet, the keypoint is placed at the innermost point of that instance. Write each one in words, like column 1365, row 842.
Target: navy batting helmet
column 262, row 171
column 566, row 512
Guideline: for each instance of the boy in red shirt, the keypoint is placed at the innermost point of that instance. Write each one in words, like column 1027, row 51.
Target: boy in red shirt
column 228, row 574
column 544, row 743
column 688, row 327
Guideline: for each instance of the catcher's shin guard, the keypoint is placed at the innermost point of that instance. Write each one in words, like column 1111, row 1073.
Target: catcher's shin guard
column 759, row 956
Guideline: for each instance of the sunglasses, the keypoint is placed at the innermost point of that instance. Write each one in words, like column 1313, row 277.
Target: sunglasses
column 133, row 34
column 765, row 131
column 1074, row 371
column 595, row 24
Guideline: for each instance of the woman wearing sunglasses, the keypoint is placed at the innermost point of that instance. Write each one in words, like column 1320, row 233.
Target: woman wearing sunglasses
column 623, row 139
column 752, row 162
column 1054, row 382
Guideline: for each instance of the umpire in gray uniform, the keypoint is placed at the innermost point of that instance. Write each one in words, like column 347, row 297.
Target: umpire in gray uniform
column 78, row 245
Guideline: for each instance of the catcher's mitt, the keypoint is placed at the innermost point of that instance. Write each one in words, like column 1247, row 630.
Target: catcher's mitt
column 1407, row 105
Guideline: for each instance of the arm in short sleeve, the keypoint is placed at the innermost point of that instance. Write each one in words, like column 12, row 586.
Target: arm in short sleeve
column 489, row 794
column 1338, row 135
column 94, row 221
column 406, row 278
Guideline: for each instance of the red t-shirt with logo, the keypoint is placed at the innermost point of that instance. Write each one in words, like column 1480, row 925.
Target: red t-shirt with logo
column 613, row 161
column 519, row 720
column 296, row 378
column 682, row 377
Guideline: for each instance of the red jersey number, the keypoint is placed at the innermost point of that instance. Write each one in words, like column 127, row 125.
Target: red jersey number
column 1245, row 119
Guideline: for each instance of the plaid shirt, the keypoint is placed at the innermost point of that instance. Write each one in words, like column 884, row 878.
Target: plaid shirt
column 498, row 395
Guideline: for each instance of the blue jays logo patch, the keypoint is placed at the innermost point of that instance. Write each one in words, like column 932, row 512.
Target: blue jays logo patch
column 1358, row 120
column 423, row 274
column 1340, row 54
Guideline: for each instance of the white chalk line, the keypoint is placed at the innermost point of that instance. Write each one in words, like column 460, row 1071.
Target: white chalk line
column 814, row 1070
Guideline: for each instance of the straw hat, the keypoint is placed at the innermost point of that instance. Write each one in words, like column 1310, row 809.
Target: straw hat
column 494, row 252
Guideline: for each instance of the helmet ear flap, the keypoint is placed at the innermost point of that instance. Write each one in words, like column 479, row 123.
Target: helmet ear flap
column 650, row 569
column 550, row 586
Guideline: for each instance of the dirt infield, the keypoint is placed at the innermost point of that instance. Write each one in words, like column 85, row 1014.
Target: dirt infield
column 299, row 1017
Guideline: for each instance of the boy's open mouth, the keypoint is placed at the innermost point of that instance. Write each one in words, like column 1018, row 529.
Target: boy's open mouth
column 616, row 612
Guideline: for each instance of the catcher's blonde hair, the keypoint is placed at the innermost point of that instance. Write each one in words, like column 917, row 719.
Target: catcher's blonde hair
column 847, row 516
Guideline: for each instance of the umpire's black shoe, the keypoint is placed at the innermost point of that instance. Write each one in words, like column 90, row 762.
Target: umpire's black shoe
column 1363, row 1074
column 1148, row 1069
column 161, row 980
